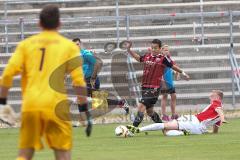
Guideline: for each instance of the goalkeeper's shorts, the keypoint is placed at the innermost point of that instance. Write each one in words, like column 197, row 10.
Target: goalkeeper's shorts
column 36, row 125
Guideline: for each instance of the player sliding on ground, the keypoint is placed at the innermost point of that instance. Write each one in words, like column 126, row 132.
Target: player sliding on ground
column 211, row 116
column 154, row 65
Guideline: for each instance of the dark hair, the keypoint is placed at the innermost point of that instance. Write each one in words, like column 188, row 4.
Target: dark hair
column 76, row 39
column 50, row 17
column 157, row 41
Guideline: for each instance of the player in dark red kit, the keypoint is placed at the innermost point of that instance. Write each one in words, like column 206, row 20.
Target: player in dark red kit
column 154, row 65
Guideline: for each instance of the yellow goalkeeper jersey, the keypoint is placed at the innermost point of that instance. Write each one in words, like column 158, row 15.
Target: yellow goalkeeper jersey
column 43, row 61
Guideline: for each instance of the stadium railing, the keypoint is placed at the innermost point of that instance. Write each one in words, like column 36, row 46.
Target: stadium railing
column 172, row 29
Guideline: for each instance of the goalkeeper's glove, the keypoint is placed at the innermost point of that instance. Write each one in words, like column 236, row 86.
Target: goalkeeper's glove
column 6, row 113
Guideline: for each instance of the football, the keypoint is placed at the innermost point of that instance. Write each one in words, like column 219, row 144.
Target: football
column 122, row 131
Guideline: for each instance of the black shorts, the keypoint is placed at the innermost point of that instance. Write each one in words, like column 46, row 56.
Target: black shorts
column 90, row 87
column 149, row 96
column 168, row 91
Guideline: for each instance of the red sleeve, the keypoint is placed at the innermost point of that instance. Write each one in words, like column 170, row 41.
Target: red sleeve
column 172, row 61
column 216, row 104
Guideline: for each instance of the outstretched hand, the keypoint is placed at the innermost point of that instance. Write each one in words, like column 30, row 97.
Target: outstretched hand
column 186, row 76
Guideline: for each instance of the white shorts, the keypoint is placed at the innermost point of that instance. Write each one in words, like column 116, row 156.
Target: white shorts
column 190, row 123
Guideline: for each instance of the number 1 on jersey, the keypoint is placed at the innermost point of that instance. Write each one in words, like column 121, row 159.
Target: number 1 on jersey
column 42, row 59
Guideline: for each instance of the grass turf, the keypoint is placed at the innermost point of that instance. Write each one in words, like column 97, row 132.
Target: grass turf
column 103, row 145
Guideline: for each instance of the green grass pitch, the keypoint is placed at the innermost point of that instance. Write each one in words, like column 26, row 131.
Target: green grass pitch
column 103, row 145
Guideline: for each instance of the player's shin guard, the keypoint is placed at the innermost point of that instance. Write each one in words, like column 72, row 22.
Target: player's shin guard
column 155, row 117
column 138, row 119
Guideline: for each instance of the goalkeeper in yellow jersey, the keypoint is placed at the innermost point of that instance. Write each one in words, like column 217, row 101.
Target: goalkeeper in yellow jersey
column 43, row 60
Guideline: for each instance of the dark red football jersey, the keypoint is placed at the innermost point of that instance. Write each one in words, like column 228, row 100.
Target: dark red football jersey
column 154, row 66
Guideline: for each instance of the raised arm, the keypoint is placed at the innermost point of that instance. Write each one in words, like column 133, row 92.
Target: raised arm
column 133, row 53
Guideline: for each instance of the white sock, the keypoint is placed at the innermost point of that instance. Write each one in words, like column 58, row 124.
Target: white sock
column 152, row 127
column 174, row 133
